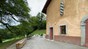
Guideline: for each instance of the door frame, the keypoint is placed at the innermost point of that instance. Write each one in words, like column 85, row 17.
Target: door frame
column 83, row 30
column 86, row 33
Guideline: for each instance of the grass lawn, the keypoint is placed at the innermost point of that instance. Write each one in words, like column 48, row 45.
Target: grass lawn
column 9, row 42
column 39, row 32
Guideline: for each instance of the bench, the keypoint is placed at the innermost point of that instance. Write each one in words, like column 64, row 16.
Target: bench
column 21, row 43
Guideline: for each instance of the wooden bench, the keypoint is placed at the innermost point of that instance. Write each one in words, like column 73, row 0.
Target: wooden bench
column 21, row 43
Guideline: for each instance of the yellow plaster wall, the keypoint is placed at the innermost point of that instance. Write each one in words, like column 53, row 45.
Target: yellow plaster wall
column 74, row 11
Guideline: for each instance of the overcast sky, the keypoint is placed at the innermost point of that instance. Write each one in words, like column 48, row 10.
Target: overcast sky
column 36, row 6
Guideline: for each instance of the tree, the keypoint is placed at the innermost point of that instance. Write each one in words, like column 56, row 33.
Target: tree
column 19, row 8
column 16, row 7
column 25, row 27
column 42, row 21
column 3, row 34
column 34, row 22
column 38, row 22
column 9, row 9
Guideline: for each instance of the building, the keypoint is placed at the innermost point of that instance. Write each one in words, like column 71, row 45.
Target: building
column 67, row 21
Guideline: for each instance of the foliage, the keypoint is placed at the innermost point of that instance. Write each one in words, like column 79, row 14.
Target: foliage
column 16, row 7
column 42, row 21
column 34, row 22
column 38, row 22
column 25, row 28
column 9, row 9
column 19, row 8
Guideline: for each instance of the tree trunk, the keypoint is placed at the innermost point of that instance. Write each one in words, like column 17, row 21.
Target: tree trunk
column 0, row 40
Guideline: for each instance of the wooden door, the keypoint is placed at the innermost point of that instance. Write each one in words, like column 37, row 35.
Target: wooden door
column 51, row 33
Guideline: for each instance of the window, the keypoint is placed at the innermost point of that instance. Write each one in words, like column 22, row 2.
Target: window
column 61, row 8
column 63, row 29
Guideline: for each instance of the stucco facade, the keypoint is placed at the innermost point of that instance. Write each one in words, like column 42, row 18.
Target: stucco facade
column 75, row 11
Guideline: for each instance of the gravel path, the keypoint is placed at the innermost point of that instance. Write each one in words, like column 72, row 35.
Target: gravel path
column 41, row 43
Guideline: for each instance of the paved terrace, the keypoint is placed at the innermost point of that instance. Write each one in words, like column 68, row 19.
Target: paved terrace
column 38, row 42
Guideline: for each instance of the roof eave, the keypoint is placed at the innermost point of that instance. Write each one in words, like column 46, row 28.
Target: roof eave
column 46, row 6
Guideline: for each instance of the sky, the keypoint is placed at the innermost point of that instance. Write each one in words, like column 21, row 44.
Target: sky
column 36, row 6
